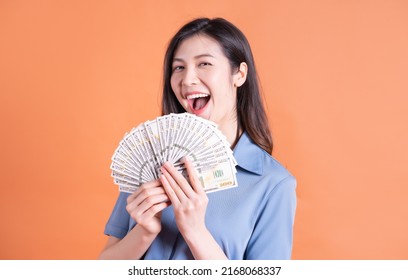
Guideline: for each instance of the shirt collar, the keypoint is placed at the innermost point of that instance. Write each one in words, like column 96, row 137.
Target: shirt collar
column 249, row 155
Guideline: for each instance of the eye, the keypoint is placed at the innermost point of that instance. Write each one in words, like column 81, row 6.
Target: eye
column 177, row 68
column 204, row 64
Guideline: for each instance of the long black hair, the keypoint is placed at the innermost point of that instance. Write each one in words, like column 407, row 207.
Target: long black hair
column 250, row 109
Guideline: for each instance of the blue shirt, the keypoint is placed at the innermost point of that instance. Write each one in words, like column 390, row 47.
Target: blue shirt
column 252, row 221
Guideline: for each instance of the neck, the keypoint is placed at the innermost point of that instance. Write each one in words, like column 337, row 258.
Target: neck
column 232, row 132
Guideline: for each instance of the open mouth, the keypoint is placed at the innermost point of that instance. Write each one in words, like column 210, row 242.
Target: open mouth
column 198, row 101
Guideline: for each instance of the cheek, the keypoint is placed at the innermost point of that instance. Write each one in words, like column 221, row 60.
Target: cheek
column 172, row 83
column 174, row 87
column 221, row 79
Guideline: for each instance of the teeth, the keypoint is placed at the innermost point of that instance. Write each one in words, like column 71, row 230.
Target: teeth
column 198, row 95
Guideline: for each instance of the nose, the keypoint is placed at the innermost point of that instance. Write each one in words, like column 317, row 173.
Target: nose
column 190, row 77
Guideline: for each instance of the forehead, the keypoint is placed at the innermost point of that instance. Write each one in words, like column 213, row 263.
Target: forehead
column 198, row 45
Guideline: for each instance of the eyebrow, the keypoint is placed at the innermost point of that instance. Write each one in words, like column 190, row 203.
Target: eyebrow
column 196, row 57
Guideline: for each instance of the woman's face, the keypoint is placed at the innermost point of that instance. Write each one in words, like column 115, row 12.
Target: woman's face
column 203, row 81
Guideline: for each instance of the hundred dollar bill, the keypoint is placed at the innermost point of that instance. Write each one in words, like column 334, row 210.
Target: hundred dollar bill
column 220, row 176
column 144, row 149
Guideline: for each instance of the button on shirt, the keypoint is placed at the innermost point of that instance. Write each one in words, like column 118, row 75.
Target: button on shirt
column 252, row 221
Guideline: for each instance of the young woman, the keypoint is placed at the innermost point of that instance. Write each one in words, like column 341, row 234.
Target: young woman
column 209, row 71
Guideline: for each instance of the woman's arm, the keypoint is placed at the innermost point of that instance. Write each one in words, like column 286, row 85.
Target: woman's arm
column 272, row 236
column 132, row 246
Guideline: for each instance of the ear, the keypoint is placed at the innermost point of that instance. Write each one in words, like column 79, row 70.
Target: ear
column 240, row 75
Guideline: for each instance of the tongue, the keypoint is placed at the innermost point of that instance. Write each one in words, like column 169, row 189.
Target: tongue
column 199, row 103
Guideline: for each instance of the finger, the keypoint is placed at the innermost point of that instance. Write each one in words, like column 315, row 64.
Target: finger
column 169, row 190
column 151, row 201
column 145, row 190
column 178, row 179
column 147, row 199
column 152, row 213
column 138, row 210
column 157, row 208
column 193, row 176
column 151, row 184
column 178, row 190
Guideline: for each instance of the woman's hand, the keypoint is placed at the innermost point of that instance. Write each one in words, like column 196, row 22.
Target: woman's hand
column 145, row 206
column 188, row 199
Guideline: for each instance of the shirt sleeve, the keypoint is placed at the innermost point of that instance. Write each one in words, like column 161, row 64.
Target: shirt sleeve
column 273, row 233
column 118, row 223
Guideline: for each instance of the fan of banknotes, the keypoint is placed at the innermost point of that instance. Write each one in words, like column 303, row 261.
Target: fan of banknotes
column 144, row 149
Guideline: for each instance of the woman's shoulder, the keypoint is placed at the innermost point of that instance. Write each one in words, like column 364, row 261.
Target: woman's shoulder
column 276, row 171
column 257, row 161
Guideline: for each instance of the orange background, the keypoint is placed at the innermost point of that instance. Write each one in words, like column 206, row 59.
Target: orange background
column 76, row 75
